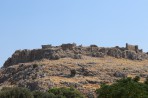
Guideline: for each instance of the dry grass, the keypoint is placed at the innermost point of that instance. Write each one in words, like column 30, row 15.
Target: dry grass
column 106, row 64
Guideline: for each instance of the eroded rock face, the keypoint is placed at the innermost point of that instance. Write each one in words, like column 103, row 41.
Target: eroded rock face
column 133, row 55
column 104, row 50
column 120, row 74
column 98, row 54
column 68, row 46
column 115, row 53
column 76, row 52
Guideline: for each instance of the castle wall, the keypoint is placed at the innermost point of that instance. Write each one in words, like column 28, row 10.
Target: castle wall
column 68, row 46
column 46, row 46
column 71, row 50
column 132, row 47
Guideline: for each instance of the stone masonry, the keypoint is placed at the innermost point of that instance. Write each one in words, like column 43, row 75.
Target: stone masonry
column 72, row 50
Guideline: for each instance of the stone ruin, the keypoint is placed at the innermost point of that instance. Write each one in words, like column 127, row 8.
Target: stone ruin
column 133, row 48
column 68, row 46
column 50, row 52
column 46, row 46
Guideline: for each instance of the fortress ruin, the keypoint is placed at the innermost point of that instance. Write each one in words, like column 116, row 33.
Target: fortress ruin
column 133, row 48
column 50, row 52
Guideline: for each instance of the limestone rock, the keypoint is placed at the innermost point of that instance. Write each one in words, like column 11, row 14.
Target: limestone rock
column 119, row 74
column 130, row 55
column 104, row 50
column 98, row 54
column 77, row 56
column 115, row 52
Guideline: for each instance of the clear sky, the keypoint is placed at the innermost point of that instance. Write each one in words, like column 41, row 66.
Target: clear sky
column 27, row 24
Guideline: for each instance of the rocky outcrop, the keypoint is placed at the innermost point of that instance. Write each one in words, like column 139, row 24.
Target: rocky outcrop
column 76, row 52
column 98, row 54
column 115, row 52
column 133, row 55
column 68, row 46
column 120, row 74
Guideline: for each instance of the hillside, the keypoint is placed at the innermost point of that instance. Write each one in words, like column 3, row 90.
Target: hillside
column 84, row 68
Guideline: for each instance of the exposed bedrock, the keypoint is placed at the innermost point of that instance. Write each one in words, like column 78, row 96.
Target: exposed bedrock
column 76, row 52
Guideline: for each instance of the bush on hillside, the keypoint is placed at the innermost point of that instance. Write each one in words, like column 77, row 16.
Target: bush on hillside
column 124, row 88
column 66, row 92
column 15, row 93
column 136, row 79
column 39, row 94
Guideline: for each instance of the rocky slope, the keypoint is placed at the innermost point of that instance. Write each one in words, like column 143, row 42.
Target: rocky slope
column 84, row 68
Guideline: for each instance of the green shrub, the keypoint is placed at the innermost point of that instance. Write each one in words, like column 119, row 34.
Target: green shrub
column 15, row 93
column 48, row 95
column 124, row 88
column 146, row 81
column 66, row 92
column 38, row 94
column 137, row 79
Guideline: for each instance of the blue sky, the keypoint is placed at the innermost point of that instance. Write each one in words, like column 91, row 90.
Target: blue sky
column 27, row 24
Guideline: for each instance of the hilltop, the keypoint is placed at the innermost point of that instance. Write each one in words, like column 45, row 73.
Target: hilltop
column 73, row 51
column 84, row 68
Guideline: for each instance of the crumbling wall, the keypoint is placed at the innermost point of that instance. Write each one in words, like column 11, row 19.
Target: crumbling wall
column 68, row 46
column 23, row 56
column 71, row 50
column 132, row 47
column 46, row 46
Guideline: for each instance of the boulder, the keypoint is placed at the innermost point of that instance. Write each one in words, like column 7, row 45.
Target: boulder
column 33, row 86
column 114, row 52
column 104, row 50
column 55, row 56
column 98, row 54
column 130, row 55
column 119, row 74
column 77, row 56
column 72, row 73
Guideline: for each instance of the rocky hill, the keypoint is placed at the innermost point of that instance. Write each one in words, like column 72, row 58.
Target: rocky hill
column 84, row 68
column 71, row 50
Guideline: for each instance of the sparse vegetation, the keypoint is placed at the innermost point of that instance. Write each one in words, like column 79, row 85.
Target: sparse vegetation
column 73, row 73
column 66, row 92
column 17, row 92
